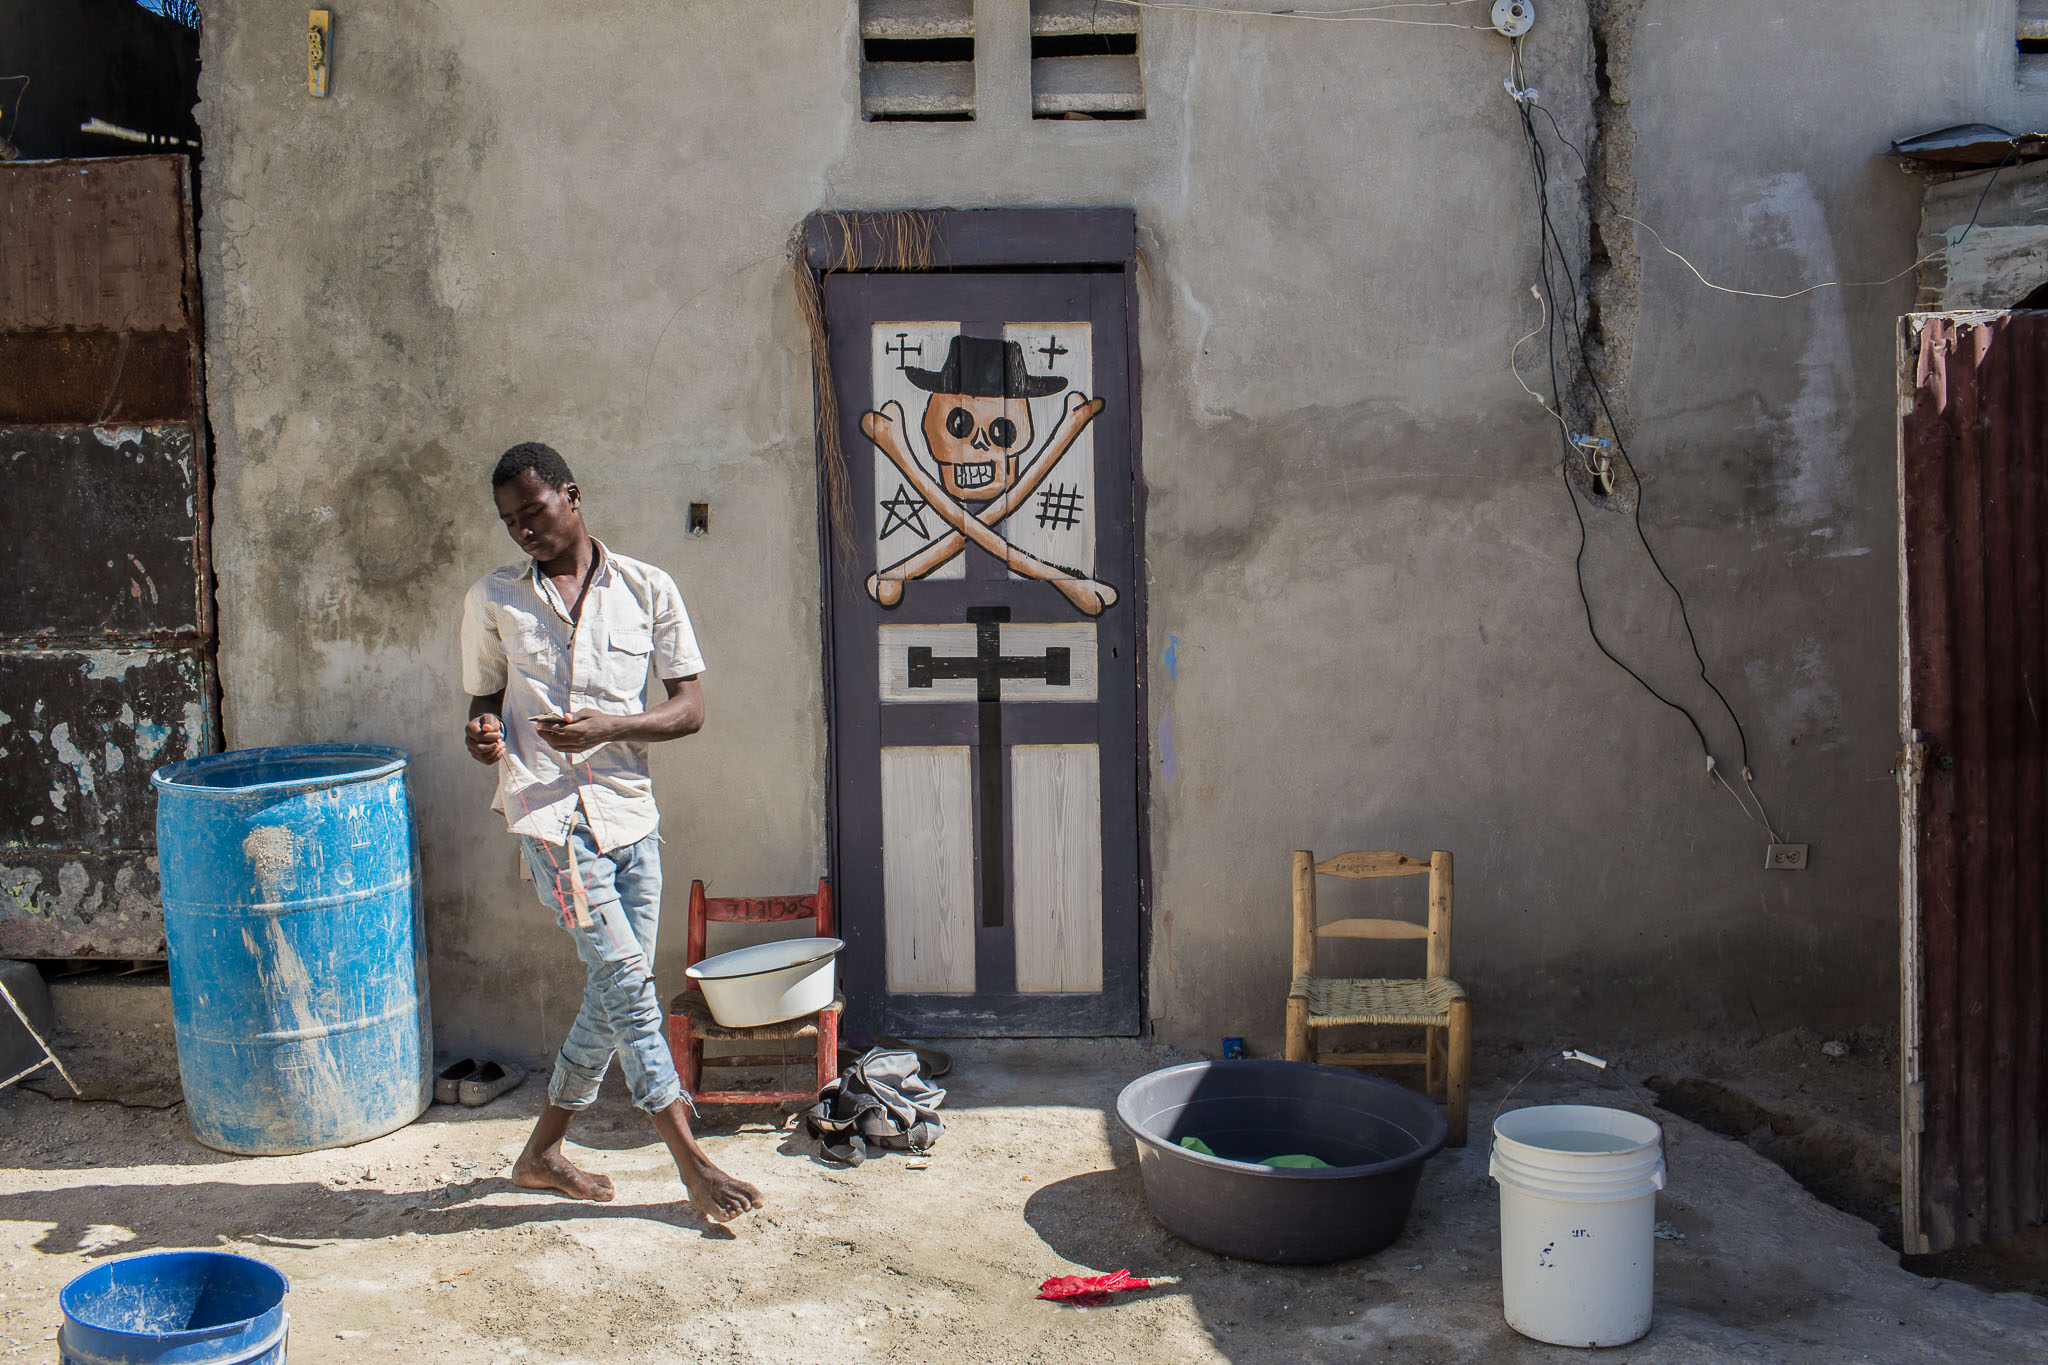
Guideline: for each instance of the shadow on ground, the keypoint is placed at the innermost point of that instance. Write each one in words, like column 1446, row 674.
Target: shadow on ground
column 302, row 1214
column 1099, row 1220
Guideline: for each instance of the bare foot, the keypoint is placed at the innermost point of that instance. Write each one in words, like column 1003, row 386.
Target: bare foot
column 553, row 1171
column 718, row 1196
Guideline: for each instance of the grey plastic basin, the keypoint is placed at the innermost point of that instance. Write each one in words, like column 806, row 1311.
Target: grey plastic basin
column 1375, row 1134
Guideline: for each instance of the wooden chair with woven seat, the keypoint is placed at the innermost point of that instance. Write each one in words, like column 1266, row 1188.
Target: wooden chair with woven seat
column 690, row 1024
column 1433, row 1002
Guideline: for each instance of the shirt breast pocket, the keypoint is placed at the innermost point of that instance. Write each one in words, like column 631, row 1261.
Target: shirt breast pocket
column 529, row 642
column 626, row 661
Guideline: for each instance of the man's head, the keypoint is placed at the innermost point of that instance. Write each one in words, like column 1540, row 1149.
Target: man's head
column 538, row 500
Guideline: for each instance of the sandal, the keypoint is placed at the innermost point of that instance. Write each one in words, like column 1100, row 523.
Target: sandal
column 491, row 1080
column 447, row 1083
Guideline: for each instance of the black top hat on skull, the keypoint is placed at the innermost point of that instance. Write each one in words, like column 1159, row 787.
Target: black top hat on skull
column 984, row 367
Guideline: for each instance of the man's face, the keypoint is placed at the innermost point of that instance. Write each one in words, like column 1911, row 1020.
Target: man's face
column 976, row 441
column 542, row 520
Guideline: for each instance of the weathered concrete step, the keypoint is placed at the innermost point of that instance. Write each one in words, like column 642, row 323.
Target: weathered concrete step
column 97, row 1005
column 1844, row 1163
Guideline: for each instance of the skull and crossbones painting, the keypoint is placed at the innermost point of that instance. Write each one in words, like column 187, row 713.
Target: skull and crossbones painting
column 977, row 469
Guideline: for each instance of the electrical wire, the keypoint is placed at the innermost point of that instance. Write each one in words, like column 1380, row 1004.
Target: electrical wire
column 1762, row 816
column 647, row 379
column 1544, row 238
column 25, row 83
column 1942, row 250
column 1363, row 14
column 1524, row 99
column 1515, row 364
column 1550, row 243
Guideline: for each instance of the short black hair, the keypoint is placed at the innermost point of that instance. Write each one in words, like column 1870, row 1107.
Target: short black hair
column 544, row 462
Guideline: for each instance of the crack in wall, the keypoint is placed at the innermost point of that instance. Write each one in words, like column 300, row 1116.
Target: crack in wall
column 1613, row 273
column 1602, row 265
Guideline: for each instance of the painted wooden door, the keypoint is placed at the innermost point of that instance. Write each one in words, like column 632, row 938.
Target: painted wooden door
column 1973, row 538
column 984, row 671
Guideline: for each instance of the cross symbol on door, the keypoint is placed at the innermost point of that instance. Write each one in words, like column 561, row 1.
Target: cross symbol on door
column 988, row 666
column 903, row 350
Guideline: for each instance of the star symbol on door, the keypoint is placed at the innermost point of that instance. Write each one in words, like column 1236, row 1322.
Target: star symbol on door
column 905, row 513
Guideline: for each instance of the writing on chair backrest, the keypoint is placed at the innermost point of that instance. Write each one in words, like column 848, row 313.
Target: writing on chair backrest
column 1361, row 864
column 815, row 905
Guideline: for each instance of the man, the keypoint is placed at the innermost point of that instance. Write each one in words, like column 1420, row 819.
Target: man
column 555, row 658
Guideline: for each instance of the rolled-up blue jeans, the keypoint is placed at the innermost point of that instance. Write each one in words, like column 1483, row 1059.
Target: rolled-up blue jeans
column 621, row 1009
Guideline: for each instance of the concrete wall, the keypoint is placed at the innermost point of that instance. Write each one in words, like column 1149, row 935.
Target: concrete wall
column 534, row 221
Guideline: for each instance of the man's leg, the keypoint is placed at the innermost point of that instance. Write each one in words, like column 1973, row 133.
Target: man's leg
column 587, row 1050
column 544, row 1166
column 580, row 1067
column 718, row 1196
column 642, row 1042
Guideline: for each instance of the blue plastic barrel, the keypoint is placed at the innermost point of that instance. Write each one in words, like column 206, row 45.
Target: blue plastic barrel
column 292, row 912
column 187, row 1307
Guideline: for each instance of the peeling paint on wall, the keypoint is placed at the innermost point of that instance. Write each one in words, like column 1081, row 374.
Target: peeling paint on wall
column 79, row 905
column 69, row 753
column 77, row 816
column 131, row 570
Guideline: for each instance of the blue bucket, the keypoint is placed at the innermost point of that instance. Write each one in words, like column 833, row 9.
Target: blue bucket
column 175, row 1308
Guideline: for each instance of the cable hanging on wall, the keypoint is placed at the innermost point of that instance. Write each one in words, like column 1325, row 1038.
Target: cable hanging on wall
column 1527, row 99
column 1589, row 450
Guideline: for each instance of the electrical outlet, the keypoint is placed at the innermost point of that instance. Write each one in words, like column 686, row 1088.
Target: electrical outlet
column 1785, row 858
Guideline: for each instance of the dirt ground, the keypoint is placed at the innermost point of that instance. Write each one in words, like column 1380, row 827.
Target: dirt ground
column 414, row 1246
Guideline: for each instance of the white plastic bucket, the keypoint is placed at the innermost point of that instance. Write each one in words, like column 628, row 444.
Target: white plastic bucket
column 1578, row 1208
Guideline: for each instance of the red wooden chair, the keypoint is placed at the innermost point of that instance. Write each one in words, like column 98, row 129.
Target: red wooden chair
column 690, row 1024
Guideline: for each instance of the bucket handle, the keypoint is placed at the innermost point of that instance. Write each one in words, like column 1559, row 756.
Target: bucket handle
column 1570, row 1054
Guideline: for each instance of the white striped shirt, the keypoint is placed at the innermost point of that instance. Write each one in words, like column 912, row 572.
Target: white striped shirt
column 518, row 638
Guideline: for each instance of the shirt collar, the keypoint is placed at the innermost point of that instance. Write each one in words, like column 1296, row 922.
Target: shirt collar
column 599, row 575
column 604, row 561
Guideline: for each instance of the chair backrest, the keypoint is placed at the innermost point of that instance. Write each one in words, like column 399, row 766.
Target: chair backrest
column 1437, row 930
column 705, row 909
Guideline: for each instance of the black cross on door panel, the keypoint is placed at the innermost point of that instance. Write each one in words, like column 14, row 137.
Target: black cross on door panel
column 988, row 666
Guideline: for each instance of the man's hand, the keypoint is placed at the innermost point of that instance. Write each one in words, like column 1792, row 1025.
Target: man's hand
column 485, row 738
column 585, row 729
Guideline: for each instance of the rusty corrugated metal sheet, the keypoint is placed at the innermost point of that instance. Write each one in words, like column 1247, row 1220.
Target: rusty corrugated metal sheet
column 95, row 377
column 106, row 655
column 98, row 292
column 130, row 567
column 94, row 246
column 1973, row 462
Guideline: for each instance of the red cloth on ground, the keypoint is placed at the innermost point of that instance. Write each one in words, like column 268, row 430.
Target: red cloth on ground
column 1090, row 1291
